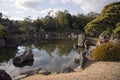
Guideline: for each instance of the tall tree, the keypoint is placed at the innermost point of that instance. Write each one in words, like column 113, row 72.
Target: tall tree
column 27, row 25
column 49, row 23
column 62, row 21
column 38, row 24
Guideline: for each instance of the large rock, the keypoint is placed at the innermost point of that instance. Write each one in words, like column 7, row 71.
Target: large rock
column 102, row 36
column 35, row 71
column 83, row 59
column 86, row 44
column 114, row 39
column 81, row 39
column 76, row 60
column 27, row 55
column 90, row 52
column 102, row 39
column 99, row 42
column 4, row 75
column 67, row 70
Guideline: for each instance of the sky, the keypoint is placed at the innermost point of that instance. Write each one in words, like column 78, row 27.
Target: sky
column 19, row 9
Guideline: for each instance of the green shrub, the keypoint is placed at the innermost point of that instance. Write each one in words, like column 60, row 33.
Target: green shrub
column 3, row 31
column 22, row 30
column 117, row 30
column 107, row 52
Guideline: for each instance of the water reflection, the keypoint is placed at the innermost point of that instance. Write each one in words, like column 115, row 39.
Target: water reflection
column 26, row 63
column 10, row 68
column 52, row 57
column 6, row 54
column 53, row 62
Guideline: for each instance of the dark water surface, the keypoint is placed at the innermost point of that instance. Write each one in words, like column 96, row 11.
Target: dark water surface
column 54, row 56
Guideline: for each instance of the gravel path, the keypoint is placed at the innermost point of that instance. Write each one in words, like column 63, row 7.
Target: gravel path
column 93, row 71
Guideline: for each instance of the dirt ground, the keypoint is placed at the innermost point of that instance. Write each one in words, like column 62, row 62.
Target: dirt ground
column 93, row 71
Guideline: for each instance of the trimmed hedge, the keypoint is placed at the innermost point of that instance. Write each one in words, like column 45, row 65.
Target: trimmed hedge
column 107, row 52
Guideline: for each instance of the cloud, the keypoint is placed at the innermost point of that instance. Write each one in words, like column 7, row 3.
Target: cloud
column 35, row 8
column 4, row 12
column 3, row 2
column 15, row 18
column 57, row 1
column 94, row 5
column 19, row 12
column 27, row 4
column 53, row 11
column 87, row 5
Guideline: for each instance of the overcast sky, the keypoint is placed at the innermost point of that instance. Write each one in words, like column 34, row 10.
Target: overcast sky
column 18, row 9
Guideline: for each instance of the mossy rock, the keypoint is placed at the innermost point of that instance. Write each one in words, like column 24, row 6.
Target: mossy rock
column 107, row 52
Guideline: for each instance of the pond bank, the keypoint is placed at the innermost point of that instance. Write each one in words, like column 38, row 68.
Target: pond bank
column 93, row 71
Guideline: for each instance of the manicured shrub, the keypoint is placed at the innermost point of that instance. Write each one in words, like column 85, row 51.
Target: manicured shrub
column 107, row 52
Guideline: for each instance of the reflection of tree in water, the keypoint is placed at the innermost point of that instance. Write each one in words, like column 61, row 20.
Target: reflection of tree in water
column 61, row 50
column 7, row 53
column 78, row 50
column 64, row 50
column 53, row 56
column 64, row 46
column 49, row 48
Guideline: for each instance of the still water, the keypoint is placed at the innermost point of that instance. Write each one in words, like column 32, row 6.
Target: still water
column 54, row 56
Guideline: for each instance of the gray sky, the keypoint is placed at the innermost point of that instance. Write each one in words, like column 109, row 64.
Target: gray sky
column 18, row 9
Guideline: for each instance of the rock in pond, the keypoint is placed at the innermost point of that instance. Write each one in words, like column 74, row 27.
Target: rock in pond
column 4, row 75
column 76, row 60
column 81, row 39
column 67, row 70
column 26, row 56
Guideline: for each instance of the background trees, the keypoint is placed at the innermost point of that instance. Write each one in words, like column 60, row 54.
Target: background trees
column 49, row 23
column 62, row 21
column 3, row 31
column 93, row 24
column 26, row 26
column 80, row 20
column 38, row 24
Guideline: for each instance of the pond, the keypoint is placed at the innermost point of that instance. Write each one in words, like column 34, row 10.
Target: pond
column 54, row 56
